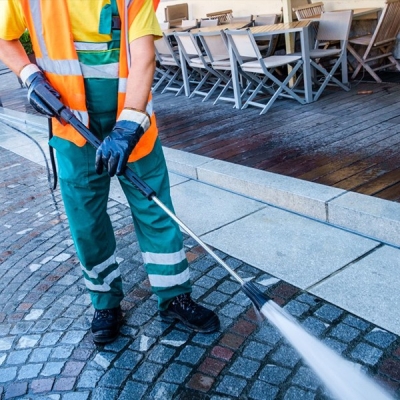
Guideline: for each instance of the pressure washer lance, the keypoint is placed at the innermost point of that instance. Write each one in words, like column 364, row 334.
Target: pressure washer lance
column 63, row 114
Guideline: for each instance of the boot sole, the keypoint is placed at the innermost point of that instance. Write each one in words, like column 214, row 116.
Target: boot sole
column 212, row 326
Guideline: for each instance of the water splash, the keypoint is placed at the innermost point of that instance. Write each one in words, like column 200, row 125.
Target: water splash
column 341, row 378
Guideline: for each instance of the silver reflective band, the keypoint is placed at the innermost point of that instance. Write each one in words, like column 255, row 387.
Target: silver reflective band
column 105, row 287
column 60, row 67
column 164, row 258
column 169, row 280
column 107, row 71
column 82, row 46
column 99, row 268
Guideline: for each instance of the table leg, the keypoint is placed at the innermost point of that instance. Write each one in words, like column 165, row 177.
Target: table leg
column 305, row 53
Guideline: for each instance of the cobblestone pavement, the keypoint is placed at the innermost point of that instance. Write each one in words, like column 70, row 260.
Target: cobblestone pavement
column 46, row 351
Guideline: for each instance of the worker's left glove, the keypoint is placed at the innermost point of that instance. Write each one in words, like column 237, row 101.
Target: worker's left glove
column 114, row 151
column 32, row 77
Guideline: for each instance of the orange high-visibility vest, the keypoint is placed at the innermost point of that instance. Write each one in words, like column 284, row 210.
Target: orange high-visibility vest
column 52, row 41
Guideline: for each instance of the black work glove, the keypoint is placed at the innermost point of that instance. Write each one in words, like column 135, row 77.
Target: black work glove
column 32, row 77
column 114, row 151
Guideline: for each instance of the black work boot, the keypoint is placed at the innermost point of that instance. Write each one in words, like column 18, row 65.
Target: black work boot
column 106, row 324
column 191, row 314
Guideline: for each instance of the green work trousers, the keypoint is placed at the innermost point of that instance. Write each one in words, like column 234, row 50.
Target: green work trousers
column 85, row 195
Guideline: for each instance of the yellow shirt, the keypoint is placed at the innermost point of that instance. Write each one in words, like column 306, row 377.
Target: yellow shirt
column 85, row 20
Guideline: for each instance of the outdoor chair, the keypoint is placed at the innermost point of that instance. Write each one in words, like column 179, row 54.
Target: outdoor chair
column 208, row 22
column 296, row 4
column 192, row 56
column 333, row 27
column 189, row 23
column 222, row 16
column 216, row 48
column 260, row 71
column 169, row 70
column 268, row 43
column 247, row 19
column 379, row 45
column 174, row 14
column 309, row 11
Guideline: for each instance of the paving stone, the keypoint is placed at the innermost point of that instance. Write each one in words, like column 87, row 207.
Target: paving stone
column 89, row 378
column 200, row 382
column 339, row 347
column 7, row 374
column 161, row 354
column 295, row 393
column 328, row 312
column 314, row 326
column 64, row 384
column 244, row 367
column 380, row 338
column 232, row 310
column 6, row 343
column 41, row 385
column 344, row 333
column 256, row 350
column 29, row 371
column 176, row 373
column 21, row 328
column 73, row 368
column 114, row 378
column 231, row 385
column 191, row 354
column 296, row 308
column 73, row 337
column 128, row 360
column 285, row 356
column 16, row 389
column 52, row 368
column 62, row 352
column 308, row 299
column 356, row 322
column 274, row 374
column 211, row 366
column 306, row 379
column 163, row 391
column 18, row 357
column 216, row 298
column 41, row 354
column 133, row 390
column 268, row 334
column 76, row 396
column 262, row 390
column 147, row 372
column 366, row 354
column 104, row 393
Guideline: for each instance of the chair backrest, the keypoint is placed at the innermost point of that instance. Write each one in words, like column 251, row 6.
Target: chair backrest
column 243, row 45
column 389, row 23
column 176, row 13
column 296, row 4
column 189, row 22
column 248, row 18
column 221, row 16
column 164, row 51
column 335, row 25
column 309, row 11
column 164, row 25
column 215, row 45
column 266, row 19
column 188, row 46
column 208, row 22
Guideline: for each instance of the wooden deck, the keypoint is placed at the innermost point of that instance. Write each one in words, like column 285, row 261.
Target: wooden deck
column 345, row 139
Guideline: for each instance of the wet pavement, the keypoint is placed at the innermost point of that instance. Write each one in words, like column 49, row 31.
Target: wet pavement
column 46, row 351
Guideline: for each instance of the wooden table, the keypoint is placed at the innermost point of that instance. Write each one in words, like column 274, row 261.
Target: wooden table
column 236, row 25
column 171, row 31
column 290, row 27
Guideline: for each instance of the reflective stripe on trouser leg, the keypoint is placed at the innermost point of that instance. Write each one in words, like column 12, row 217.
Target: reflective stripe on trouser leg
column 85, row 196
column 160, row 238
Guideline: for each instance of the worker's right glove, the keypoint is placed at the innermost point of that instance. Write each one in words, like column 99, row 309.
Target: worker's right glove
column 32, row 77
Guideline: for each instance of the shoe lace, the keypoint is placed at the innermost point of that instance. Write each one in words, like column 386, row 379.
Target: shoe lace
column 102, row 314
column 185, row 301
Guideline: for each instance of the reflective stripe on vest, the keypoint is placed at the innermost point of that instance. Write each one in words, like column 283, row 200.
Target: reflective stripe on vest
column 56, row 55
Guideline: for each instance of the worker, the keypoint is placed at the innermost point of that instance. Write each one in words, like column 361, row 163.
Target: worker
column 98, row 58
